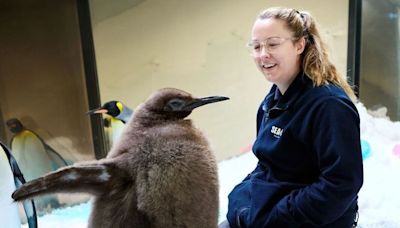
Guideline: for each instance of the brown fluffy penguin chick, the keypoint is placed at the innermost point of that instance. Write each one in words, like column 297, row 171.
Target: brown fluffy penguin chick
column 160, row 174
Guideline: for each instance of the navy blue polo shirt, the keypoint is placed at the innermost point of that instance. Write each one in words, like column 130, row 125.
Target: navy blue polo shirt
column 310, row 165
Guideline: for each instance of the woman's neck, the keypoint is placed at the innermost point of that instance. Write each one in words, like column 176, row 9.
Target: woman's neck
column 285, row 85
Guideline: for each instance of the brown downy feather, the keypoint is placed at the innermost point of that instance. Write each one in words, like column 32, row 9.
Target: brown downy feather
column 161, row 173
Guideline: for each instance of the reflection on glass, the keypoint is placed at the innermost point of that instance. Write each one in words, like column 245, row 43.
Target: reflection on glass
column 34, row 157
column 379, row 79
column 42, row 83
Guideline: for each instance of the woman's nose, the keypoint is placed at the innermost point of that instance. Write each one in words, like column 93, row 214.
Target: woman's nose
column 264, row 53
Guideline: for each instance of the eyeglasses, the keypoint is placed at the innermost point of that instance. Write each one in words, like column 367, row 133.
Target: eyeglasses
column 270, row 44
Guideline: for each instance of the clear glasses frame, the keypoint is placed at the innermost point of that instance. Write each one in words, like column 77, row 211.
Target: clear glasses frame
column 270, row 45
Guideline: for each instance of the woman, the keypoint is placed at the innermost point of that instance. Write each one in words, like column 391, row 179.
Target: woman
column 308, row 137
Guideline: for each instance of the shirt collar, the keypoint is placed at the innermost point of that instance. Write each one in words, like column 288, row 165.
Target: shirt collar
column 275, row 100
column 277, row 95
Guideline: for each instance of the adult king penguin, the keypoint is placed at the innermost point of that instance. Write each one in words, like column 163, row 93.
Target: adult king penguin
column 117, row 115
column 160, row 174
column 34, row 157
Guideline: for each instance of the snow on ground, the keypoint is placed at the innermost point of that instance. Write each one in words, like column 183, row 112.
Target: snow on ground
column 379, row 199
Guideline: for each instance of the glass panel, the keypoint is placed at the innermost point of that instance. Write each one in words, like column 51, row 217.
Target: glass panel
column 379, row 79
column 42, row 89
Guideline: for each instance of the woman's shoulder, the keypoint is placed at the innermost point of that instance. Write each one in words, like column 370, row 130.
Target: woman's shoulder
column 327, row 95
column 328, row 91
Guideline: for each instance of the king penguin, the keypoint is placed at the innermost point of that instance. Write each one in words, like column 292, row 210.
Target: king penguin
column 26, row 144
column 12, row 178
column 117, row 115
column 161, row 173
column 34, row 157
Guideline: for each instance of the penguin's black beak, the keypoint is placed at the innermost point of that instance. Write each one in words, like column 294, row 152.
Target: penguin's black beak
column 203, row 101
column 97, row 111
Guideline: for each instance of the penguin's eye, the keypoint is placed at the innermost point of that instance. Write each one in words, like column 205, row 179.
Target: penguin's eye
column 175, row 105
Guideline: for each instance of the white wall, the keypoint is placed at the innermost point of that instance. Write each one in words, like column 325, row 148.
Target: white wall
column 199, row 46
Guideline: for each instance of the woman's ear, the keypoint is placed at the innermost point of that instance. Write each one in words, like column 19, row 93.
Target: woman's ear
column 300, row 45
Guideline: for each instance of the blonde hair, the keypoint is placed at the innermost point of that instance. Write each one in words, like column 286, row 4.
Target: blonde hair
column 316, row 64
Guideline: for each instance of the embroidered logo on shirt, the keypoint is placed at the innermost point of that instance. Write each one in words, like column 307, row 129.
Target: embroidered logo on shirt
column 276, row 131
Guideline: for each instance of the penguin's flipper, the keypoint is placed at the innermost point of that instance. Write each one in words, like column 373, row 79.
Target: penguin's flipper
column 94, row 178
column 19, row 180
column 57, row 160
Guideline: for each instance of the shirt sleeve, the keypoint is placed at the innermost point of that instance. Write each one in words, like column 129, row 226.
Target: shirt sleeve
column 336, row 141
